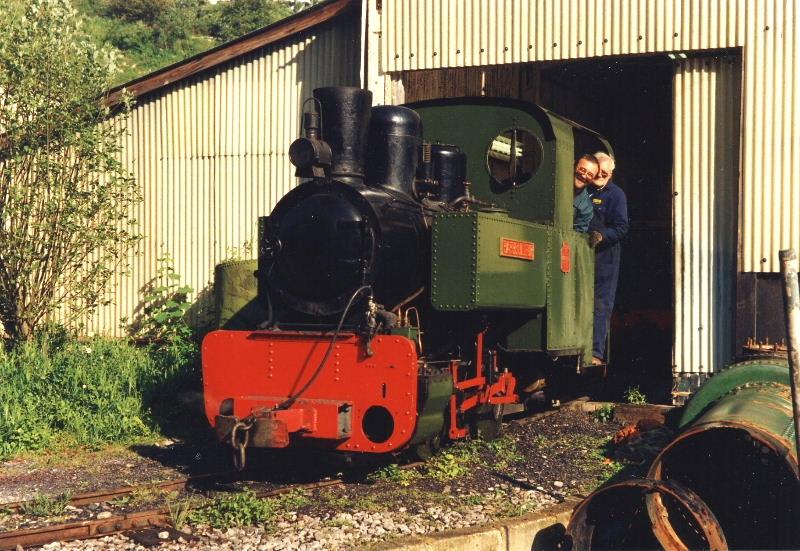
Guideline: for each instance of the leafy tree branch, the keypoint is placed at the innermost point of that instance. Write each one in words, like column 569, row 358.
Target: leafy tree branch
column 65, row 199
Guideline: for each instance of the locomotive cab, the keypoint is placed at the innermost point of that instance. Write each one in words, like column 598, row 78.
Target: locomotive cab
column 411, row 282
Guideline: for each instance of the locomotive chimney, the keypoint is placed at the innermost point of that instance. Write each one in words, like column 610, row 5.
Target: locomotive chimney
column 345, row 123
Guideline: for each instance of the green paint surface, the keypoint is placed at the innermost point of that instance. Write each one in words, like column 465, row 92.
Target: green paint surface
column 468, row 271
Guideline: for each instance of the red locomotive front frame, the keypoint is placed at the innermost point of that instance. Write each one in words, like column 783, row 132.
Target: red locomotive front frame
column 358, row 402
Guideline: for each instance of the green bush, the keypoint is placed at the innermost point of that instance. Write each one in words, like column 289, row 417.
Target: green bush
column 229, row 20
column 67, row 200
column 58, row 391
column 138, row 10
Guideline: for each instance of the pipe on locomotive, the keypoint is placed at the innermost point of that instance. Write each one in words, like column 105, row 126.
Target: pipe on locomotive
column 286, row 404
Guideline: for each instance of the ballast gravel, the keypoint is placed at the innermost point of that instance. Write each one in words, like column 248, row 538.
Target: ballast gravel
column 337, row 532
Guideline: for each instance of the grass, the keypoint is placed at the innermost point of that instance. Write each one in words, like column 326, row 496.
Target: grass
column 44, row 506
column 591, row 457
column 337, row 522
column 142, row 495
column 504, row 508
column 370, row 504
column 247, row 509
column 462, row 457
column 59, row 392
column 335, row 500
column 594, row 460
column 180, row 509
column 395, row 475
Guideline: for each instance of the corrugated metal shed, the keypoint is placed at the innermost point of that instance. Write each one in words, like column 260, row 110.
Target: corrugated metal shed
column 420, row 34
column 210, row 149
column 705, row 184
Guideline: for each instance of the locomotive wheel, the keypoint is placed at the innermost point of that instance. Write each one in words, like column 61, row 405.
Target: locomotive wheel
column 487, row 422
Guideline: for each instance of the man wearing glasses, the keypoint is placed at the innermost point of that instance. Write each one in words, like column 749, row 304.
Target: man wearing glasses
column 586, row 169
column 607, row 228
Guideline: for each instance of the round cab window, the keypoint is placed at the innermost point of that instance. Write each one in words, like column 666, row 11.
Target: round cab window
column 513, row 157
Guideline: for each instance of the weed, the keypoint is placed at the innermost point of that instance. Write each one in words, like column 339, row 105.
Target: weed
column 455, row 461
column 142, row 495
column 504, row 450
column 44, row 506
column 337, row 522
column 462, row 457
column 121, row 501
column 294, row 499
column 179, row 509
column 369, row 504
column 594, row 461
column 247, row 509
column 416, row 495
column 505, row 508
column 395, row 475
column 539, row 441
column 473, row 499
column 243, row 509
column 604, row 414
column 635, row 396
column 235, row 254
column 162, row 315
column 335, row 501
column 449, row 465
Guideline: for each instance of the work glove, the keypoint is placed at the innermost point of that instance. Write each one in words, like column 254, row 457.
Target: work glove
column 595, row 238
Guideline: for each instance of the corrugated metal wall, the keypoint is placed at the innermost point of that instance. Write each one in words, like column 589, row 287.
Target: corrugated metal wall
column 424, row 34
column 210, row 154
column 706, row 185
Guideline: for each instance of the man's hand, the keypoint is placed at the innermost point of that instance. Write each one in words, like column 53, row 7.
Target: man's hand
column 595, row 238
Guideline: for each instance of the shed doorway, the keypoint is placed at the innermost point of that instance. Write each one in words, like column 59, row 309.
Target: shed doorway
column 674, row 125
column 630, row 102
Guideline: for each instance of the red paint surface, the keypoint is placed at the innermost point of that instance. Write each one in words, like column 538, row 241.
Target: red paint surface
column 260, row 369
column 512, row 248
column 566, row 264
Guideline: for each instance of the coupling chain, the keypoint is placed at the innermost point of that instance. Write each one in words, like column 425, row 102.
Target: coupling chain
column 240, row 436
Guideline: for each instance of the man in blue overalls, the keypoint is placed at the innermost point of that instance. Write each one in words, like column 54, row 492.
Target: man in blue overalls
column 608, row 227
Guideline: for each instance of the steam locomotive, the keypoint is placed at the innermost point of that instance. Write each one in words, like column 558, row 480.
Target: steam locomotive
column 413, row 287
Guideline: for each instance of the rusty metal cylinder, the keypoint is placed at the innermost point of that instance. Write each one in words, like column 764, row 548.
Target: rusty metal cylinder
column 616, row 516
column 737, row 452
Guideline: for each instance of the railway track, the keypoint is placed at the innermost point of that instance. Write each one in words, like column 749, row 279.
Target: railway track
column 106, row 495
column 160, row 518
column 93, row 528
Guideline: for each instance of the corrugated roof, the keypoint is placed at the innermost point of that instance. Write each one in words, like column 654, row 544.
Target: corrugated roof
column 259, row 38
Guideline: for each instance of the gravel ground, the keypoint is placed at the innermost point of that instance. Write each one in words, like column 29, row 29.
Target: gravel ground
column 87, row 471
column 534, row 465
